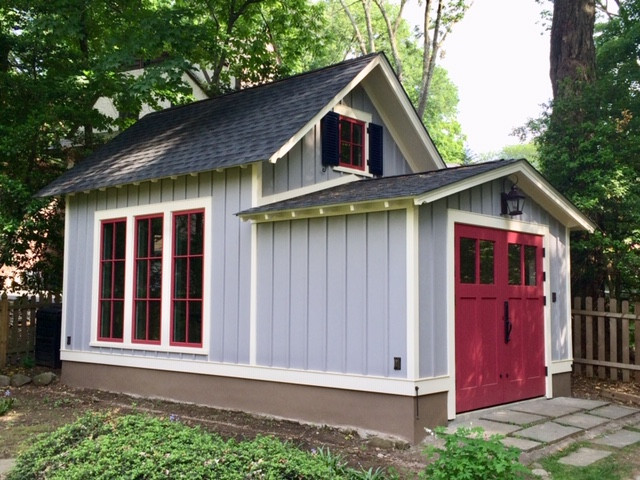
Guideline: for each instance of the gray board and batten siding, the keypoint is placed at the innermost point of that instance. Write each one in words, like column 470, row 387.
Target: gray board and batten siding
column 302, row 165
column 332, row 293
column 230, row 191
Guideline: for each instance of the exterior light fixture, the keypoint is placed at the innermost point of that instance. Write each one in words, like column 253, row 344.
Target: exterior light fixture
column 512, row 202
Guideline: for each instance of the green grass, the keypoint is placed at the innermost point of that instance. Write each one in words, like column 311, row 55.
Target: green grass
column 609, row 468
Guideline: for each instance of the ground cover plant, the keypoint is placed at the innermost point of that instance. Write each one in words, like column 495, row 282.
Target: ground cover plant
column 469, row 453
column 6, row 402
column 106, row 446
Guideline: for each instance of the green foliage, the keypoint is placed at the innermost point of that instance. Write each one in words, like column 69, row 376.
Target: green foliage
column 614, row 467
column 6, row 403
column 589, row 150
column 58, row 58
column 440, row 117
column 28, row 362
column 470, row 454
column 100, row 446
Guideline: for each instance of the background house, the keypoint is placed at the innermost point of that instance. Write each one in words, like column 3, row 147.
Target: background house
column 299, row 249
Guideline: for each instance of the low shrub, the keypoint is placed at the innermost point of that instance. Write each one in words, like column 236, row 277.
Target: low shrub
column 6, row 402
column 471, row 454
column 104, row 446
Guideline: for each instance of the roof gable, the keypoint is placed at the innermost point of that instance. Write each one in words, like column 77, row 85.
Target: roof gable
column 251, row 125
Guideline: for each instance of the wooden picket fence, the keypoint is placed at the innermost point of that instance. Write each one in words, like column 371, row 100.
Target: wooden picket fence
column 605, row 339
column 18, row 327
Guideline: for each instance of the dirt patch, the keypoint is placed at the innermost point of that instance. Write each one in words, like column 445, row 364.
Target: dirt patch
column 43, row 409
column 623, row 393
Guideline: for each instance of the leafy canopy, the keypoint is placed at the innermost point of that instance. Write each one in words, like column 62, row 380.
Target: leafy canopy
column 590, row 150
column 59, row 57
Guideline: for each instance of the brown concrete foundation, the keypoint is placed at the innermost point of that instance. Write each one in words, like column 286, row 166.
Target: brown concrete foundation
column 561, row 384
column 401, row 416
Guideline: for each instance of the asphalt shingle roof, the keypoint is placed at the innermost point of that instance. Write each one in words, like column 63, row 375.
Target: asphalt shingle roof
column 383, row 188
column 243, row 127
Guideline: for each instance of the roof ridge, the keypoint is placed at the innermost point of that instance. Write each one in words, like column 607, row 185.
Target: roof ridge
column 268, row 84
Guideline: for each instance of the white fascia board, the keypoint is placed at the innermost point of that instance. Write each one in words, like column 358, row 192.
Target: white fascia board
column 532, row 183
column 282, row 151
column 409, row 112
column 329, row 211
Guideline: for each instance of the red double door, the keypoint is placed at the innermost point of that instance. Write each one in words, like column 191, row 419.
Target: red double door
column 499, row 317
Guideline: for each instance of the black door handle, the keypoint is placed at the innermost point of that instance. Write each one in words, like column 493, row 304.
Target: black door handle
column 508, row 326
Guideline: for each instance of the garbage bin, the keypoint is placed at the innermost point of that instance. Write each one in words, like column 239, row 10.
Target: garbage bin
column 48, row 331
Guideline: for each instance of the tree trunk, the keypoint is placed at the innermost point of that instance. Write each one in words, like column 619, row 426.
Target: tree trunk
column 573, row 54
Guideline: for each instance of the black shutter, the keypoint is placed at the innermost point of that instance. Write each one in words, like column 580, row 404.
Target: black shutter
column 375, row 149
column 330, row 139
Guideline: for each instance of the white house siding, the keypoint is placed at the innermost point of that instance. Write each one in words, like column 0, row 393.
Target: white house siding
column 483, row 199
column 231, row 247
column 331, row 293
column 302, row 165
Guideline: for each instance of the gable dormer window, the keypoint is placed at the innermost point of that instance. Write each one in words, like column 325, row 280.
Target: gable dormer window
column 351, row 142
column 352, row 152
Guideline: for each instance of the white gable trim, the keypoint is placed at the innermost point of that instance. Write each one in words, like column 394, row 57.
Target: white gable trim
column 417, row 161
column 531, row 183
column 282, row 151
column 409, row 149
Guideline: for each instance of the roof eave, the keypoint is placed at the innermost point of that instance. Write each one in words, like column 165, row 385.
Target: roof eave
column 531, row 183
column 342, row 208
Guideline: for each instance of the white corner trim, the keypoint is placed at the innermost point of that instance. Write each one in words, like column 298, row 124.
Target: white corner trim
column 569, row 302
column 387, row 385
column 253, row 297
column 413, row 293
column 65, row 273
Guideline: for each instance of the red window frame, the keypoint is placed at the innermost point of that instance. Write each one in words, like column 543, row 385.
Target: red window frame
column 349, row 145
column 143, row 295
column 187, row 292
column 112, row 266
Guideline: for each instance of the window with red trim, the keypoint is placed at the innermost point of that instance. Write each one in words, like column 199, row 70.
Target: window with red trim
column 352, row 143
column 147, row 280
column 187, row 267
column 112, row 275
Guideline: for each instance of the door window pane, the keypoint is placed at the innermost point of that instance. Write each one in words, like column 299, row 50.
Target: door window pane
column 486, row 262
column 467, row 260
column 530, row 273
column 515, row 265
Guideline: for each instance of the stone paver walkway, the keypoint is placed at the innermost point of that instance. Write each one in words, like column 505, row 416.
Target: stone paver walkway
column 545, row 426
column 6, row 464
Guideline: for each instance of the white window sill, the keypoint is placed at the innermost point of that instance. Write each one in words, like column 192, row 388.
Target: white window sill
column 355, row 171
column 147, row 347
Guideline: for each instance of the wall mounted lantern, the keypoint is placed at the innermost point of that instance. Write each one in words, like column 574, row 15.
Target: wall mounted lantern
column 512, row 202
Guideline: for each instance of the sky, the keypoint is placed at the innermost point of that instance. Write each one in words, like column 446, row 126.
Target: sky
column 498, row 57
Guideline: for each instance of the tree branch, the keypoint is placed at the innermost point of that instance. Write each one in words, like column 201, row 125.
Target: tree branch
column 354, row 24
column 392, row 34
